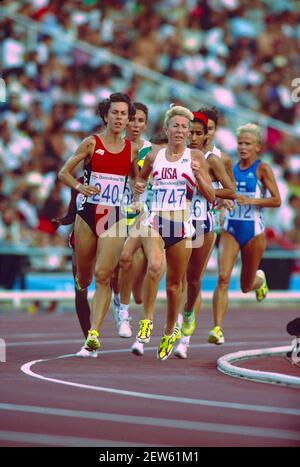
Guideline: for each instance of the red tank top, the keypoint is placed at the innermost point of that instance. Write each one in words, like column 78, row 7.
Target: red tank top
column 104, row 161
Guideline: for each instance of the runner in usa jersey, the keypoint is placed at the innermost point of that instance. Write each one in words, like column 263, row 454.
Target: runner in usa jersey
column 204, row 237
column 176, row 172
column 244, row 227
column 100, row 229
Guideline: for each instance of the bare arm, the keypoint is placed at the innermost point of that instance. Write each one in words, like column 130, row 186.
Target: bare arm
column 266, row 177
column 203, row 180
column 65, row 175
column 219, row 172
column 134, row 169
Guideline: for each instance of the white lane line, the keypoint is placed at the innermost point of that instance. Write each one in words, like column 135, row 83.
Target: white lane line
column 44, row 342
column 26, row 368
column 64, row 441
column 242, row 430
column 39, row 334
column 81, row 341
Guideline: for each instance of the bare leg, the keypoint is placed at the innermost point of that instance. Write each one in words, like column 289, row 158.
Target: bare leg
column 196, row 267
column 115, row 280
column 132, row 244
column 139, row 272
column 251, row 255
column 85, row 252
column 108, row 254
column 228, row 252
column 82, row 304
column 177, row 257
column 153, row 248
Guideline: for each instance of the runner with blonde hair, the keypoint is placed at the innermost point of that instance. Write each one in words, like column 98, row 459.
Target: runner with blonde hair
column 244, row 229
column 177, row 171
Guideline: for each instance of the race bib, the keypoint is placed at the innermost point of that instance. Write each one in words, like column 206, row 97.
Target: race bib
column 111, row 188
column 199, row 208
column 128, row 195
column 242, row 213
column 169, row 197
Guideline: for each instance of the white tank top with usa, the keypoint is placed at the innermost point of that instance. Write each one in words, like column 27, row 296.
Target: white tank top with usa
column 173, row 182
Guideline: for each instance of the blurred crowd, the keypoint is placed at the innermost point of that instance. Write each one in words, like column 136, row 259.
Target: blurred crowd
column 243, row 52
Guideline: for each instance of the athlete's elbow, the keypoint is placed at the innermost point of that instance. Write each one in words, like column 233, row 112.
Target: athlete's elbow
column 278, row 203
column 62, row 175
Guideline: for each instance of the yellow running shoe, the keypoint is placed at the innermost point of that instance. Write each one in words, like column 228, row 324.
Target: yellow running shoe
column 216, row 336
column 92, row 342
column 263, row 290
column 144, row 334
column 188, row 323
column 177, row 332
column 167, row 343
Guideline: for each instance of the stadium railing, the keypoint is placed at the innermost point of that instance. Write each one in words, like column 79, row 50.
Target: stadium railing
column 277, row 261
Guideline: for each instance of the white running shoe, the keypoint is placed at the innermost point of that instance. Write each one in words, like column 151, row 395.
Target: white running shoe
column 179, row 320
column 182, row 348
column 137, row 348
column 124, row 329
column 83, row 352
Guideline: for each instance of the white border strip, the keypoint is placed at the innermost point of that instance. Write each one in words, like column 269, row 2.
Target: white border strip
column 224, row 365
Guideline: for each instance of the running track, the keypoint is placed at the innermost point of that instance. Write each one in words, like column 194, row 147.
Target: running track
column 120, row 399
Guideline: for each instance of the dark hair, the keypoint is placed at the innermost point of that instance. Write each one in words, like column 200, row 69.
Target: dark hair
column 211, row 113
column 142, row 107
column 103, row 106
column 200, row 117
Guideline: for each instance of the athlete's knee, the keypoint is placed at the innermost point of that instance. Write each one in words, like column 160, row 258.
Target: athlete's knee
column 173, row 287
column 126, row 259
column 223, row 281
column 193, row 280
column 83, row 281
column 155, row 268
column 103, row 276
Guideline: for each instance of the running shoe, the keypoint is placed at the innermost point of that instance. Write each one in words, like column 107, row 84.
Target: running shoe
column 182, row 348
column 137, row 348
column 92, row 342
column 262, row 291
column 188, row 323
column 146, row 326
column 86, row 353
column 216, row 336
column 180, row 320
column 124, row 326
column 167, row 343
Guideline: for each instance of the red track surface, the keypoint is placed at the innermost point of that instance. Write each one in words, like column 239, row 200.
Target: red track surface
column 43, row 413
